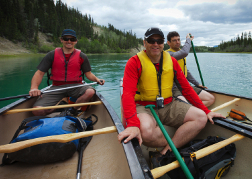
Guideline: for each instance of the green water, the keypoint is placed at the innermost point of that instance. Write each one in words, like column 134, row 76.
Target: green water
column 230, row 73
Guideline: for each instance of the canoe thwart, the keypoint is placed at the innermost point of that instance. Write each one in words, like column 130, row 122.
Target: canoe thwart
column 52, row 107
column 225, row 104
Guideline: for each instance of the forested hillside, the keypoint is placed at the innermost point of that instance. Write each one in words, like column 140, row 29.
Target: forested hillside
column 241, row 43
column 22, row 20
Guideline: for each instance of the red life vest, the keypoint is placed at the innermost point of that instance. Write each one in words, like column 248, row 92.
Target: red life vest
column 66, row 71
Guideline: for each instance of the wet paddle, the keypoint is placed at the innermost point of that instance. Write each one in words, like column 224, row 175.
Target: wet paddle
column 52, row 107
column 171, row 144
column 13, row 147
column 49, row 91
column 160, row 171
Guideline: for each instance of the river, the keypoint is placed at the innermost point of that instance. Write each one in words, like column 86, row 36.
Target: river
column 224, row 72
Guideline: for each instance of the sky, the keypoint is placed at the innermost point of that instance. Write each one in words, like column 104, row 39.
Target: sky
column 209, row 21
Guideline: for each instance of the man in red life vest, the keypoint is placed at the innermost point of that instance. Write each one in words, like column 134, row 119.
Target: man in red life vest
column 141, row 87
column 67, row 65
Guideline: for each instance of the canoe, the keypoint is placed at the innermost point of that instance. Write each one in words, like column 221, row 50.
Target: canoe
column 104, row 157
column 225, row 128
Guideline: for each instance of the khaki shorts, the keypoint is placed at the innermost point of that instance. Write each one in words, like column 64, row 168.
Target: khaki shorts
column 51, row 99
column 176, row 92
column 173, row 114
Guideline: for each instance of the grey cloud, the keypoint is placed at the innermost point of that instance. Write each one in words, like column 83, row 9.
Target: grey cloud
column 210, row 23
column 220, row 12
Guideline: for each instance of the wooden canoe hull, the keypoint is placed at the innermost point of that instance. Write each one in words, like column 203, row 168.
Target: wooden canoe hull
column 242, row 164
column 104, row 156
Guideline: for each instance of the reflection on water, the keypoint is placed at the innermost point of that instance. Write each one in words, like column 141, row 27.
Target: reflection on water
column 230, row 73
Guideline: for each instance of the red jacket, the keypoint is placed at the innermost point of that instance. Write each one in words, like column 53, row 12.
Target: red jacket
column 132, row 73
column 67, row 71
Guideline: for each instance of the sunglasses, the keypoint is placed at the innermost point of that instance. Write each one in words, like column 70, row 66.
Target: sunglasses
column 73, row 39
column 152, row 41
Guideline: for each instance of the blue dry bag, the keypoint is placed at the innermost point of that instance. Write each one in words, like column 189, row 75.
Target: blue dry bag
column 38, row 126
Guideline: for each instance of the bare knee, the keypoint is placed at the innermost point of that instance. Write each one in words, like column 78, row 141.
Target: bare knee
column 89, row 93
column 197, row 116
column 41, row 112
column 147, row 127
column 207, row 98
column 211, row 100
column 201, row 119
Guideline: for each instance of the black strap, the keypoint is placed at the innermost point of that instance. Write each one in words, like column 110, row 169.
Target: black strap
column 245, row 117
column 159, row 73
column 184, row 65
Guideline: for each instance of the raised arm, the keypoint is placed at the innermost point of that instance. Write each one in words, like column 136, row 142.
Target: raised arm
column 184, row 50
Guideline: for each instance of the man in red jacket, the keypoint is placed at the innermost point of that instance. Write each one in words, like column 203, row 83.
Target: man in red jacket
column 67, row 64
column 144, row 83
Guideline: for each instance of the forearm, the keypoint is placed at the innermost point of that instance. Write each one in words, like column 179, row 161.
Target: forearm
column 91, row 76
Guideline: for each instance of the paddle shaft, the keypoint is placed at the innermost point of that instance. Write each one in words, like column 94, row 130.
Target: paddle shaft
column 52, row 107
column 196, row 59
column 160, row 171
column 225, row 104
column 171, row 144
column 49, row 91
column 13, row 147
column 83, row 144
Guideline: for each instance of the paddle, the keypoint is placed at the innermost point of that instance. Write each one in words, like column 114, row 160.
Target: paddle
column 83, row 144
column 13, row 147
column 196, row 59
column 171, row 144
column 52, row 107
column 160, row 171
column 49, row 91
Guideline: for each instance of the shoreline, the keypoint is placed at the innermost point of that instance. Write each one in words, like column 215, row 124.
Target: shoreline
column 11, row 49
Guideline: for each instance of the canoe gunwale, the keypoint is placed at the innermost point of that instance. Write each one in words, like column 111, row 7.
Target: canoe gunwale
column 234, row 126
column 228, row 94
column 138, row 165
column 18, row 102
column 133, row 157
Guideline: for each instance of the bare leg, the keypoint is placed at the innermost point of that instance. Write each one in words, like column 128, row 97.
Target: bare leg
column 207, row 98
column 82, row 99
column 151, row 134
column 42, row 112
column 195, row 120
column 89, row 93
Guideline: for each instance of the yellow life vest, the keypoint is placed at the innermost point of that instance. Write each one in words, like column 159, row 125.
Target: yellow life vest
column 148, row 84
column 182, row 63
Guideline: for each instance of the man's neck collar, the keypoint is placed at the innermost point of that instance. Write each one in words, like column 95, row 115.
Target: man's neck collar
column 68, row 51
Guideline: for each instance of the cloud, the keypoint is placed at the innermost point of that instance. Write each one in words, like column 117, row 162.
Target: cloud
column 210, row 21
column 240, row 12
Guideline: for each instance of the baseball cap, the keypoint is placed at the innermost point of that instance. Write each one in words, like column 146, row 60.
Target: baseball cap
column 68, row 32
column 153, row 30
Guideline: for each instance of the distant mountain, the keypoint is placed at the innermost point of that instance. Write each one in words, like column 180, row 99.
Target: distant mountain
column 215, row 46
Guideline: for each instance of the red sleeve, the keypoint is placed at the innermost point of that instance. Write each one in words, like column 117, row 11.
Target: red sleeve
column 187, row 91
column 132, row 73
